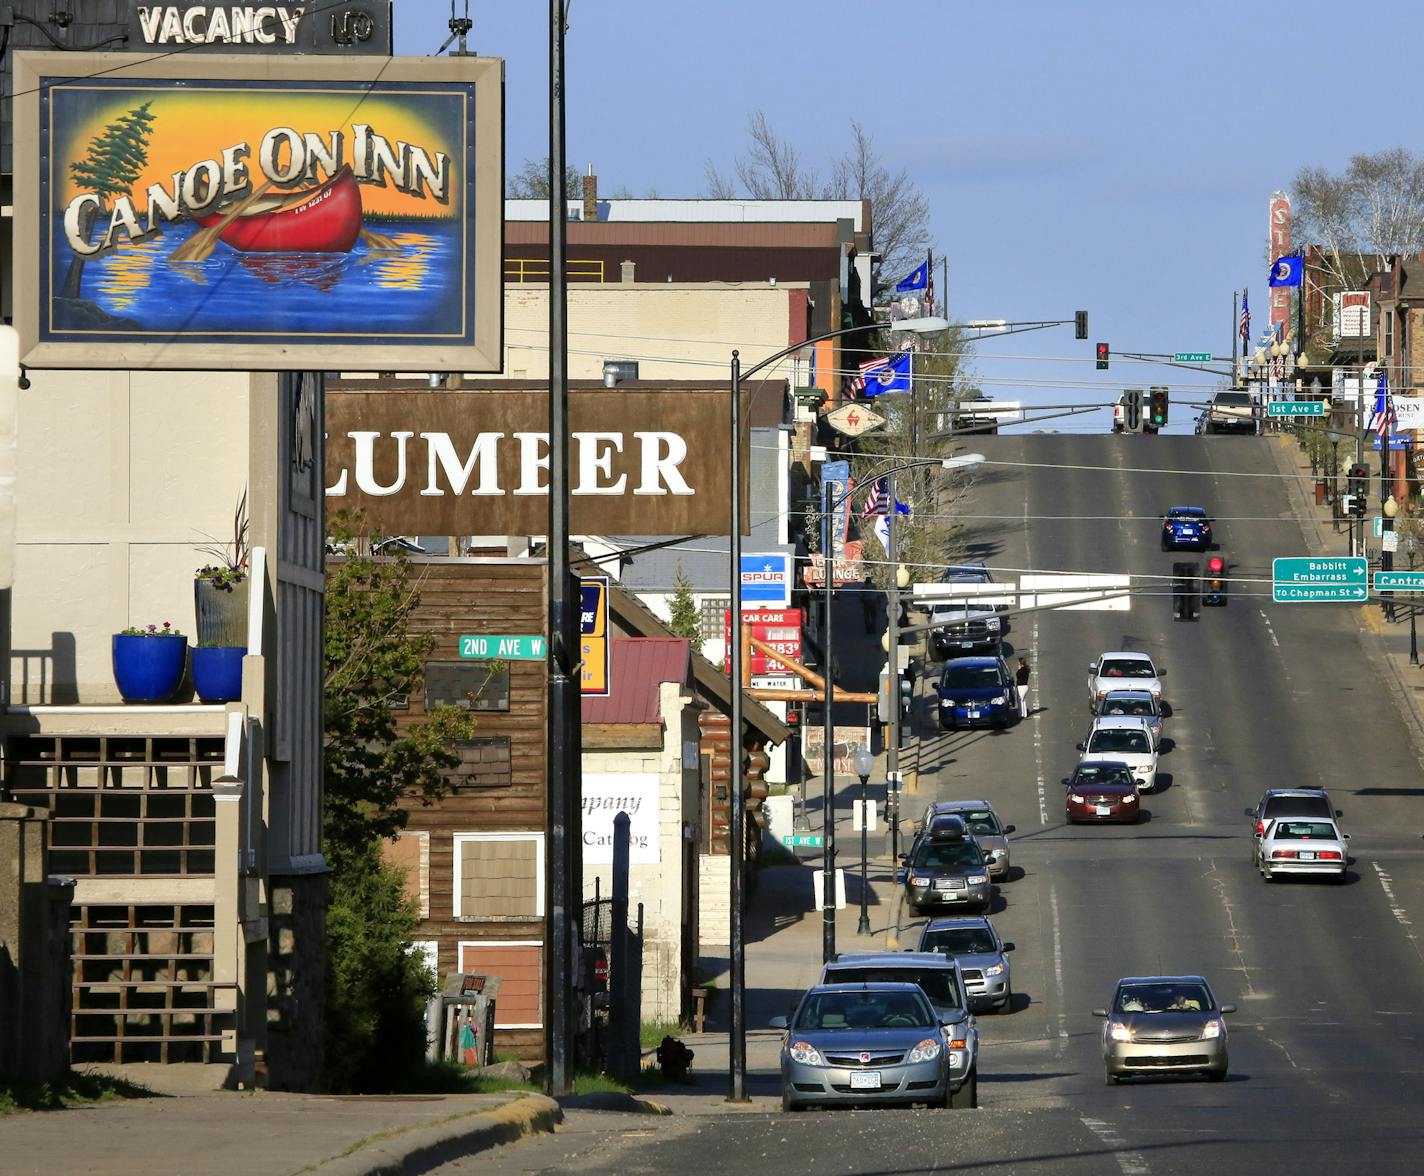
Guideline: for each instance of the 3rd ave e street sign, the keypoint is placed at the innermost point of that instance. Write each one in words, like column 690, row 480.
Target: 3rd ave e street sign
column 1191, row 357
column 1310, row 580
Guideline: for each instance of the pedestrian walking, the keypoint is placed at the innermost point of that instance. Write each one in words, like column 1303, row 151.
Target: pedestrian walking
column 1021, row 676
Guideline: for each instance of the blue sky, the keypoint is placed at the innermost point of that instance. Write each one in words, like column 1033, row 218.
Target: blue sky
column 1102, row 155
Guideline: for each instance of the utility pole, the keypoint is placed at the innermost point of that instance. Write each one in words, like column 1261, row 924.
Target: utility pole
column 828, row 736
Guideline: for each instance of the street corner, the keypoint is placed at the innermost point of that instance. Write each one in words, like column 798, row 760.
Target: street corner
column 614, row 1100
column 421, row 1149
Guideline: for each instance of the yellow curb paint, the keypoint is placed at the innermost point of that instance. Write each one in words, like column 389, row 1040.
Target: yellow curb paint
column 1373, row 617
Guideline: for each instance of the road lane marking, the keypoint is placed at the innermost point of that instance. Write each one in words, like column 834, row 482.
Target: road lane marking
column 1130, row 1162
column 1058, row 969
column 1234, row 937
column 1387, row 885
column 1037, row 727
column 1270, row 632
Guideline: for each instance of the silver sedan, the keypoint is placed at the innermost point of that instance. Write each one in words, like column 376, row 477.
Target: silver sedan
column 1301, row 845
column 1164, row 1025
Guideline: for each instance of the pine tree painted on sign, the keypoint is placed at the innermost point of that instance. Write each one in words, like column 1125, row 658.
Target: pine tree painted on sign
column 117, row 155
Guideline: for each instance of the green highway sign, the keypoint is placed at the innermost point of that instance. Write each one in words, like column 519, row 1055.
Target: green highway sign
column 1399, row 581
column 803, row 840
column 1311, row 579
column 1295, row 408
column 492, row 648
column 1192, row 357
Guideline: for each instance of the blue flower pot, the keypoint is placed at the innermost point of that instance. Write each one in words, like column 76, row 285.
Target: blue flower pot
column 149, row 669
column 217, row 672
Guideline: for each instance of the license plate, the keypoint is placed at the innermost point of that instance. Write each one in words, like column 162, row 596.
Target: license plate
column 1104, row 810
column 865, row 1080
column 1307, row 855
column 974, row 714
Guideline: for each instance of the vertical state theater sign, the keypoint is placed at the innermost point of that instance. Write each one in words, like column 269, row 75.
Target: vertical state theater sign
column 211, row 211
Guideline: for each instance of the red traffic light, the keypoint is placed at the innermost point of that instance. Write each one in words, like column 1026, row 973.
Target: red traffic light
column 1216, row 564
column 1103, row 355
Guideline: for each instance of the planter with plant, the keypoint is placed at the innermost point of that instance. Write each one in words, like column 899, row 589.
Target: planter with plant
column 149, row 662
column 220, row 592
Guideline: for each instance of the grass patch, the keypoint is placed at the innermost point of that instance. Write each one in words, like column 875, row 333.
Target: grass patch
column 73, row 1088
column 651, row 1033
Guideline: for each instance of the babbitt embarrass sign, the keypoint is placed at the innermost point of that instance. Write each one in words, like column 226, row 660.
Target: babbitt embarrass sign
column 212, row 211
column 645, row 462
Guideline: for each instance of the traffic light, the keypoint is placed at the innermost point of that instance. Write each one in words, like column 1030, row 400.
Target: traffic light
column 1157, row 412
column 1214, row 580
column 1132, row 410
column 1102, row 357
column 1186, row 599
column 1359, row 488
column 1080, row 324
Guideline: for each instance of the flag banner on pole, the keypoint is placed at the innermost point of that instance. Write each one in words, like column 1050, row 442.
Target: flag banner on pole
column 917, row 279
column 877, row 501
column 886, row 374
column 1245, row 318
column 1286, row 271
column 1383, row 420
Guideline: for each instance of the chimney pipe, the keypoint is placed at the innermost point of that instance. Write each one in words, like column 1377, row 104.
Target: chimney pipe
column 590, row 195
column 627, row 269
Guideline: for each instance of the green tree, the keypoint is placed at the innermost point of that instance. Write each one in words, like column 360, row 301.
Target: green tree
column 685, row 621
column 376, row 986
column 117, row 155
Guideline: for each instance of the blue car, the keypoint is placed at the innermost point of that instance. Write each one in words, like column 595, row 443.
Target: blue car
column 977, row 692
column 1186, row 528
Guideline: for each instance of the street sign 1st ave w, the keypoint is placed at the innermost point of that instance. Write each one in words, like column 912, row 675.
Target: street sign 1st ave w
column 803, row 840
column 1295, row 408
column 1307, row 579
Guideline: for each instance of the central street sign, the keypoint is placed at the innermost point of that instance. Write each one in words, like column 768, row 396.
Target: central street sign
column 1306, row 579
column 1295, row 408
column 803, row 840
column 1399, row 581
column 1192, row 357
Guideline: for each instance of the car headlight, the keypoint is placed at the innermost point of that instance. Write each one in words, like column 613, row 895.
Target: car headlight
column 1001, row 698
column 1157, row 692
column 926, row 1051
column 977, row 879
column 947, row 702
column 1076, row 799
column 1211, row 1029
column 994, row 970
column 1120, row 1032
column 919, row 880
column 805, row 1053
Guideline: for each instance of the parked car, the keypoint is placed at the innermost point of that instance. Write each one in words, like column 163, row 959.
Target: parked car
column 1164, row 1025
column 1308, row 846
column 982, row 957
column 1186, row 528
column 1101, row 791
column 1138, row 703
column 1124, row 739
column 946, row 867
column 982, row 823
column 977, row 692
column 864, row 1044
column 1113, row 671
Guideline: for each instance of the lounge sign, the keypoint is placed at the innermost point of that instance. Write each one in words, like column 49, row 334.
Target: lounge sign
column 313, row 27
column 477, row 462
column 260, row 213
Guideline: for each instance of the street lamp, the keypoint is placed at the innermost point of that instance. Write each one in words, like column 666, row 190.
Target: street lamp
column 736, row 972
column 1389, row 509
column 864, row 764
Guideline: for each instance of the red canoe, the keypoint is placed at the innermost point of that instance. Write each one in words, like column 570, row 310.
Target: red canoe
column 324, row 219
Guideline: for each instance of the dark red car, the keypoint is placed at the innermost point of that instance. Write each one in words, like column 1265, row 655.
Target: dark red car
column 1101, row 791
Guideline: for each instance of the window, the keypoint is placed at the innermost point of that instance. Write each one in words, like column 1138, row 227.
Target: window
column 473, row 685
column 499, row 876
column 713, row 623
column 484, row 763
column 518, row 963
column 410, row 853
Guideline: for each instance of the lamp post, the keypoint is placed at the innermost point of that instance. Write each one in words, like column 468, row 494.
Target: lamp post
column 899, row 581
column 864, row 765
column 1389, row 509
column 736, row 972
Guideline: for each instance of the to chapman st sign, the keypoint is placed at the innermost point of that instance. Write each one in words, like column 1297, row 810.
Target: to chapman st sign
column 477, row 462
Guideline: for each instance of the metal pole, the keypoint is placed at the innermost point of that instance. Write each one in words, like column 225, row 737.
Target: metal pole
column 828, row 750
column 562, row 783
column 863, row 927
column 737, row 1043
column 892, row 744
column 1235, row 330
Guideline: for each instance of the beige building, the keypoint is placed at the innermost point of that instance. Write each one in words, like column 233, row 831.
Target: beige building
column 192, row 830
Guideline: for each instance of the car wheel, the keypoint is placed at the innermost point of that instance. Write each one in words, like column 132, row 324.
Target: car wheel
column 1111, row 1079
column 1340, row 878
column 1267, row 876
column 788, row 1106
column 1216, row 1075
column 1008, row 1005
column 1164, row 546
column 967, row 1095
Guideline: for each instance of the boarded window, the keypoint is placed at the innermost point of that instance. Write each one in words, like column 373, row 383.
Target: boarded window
column 712, row 622
column 410, row 853
column 484, row 763
column 473, row 685
column 499, row 876
column 520, row 969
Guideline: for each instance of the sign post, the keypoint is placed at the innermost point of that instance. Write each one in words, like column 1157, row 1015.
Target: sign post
column 1308, row 580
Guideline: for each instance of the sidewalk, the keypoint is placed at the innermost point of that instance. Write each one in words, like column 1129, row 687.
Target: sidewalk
column 236, row 1133
column 1384, row 641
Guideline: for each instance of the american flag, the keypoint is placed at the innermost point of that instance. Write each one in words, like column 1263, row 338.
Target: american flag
column 877, row 502
column 855, row 385
column 1384, row 421
column 1245, row 318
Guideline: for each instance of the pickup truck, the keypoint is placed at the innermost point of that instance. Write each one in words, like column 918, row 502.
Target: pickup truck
column 1230, row 412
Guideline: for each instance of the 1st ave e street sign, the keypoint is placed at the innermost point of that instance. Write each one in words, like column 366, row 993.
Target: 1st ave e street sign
column 1295, row 408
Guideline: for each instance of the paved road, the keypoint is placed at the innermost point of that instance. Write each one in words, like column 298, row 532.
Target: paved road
column 1327, row 1065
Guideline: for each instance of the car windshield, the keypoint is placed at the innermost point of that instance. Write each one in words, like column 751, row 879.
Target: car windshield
column 980, row 821
column 959, row 940
column 1126, row 706
column 966, row 576
column 1118, row 668
column 1162, row 998
column 947, row 855
column 970, row 678
column 1103, row 774
column 1233, row 398
column 1122, row 742
column 1298, row 806
column 1304, row 829
column 937, row 983
column 864, row 1010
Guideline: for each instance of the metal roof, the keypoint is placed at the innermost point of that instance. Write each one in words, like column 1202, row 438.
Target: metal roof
column 637, row 668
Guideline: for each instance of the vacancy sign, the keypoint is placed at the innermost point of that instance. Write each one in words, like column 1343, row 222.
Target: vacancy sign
column 766, row 579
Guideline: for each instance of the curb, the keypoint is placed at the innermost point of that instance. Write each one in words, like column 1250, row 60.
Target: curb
column 423, row 1148
column 612, row 1100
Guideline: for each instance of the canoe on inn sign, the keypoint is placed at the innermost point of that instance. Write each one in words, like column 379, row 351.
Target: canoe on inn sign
column 341, row 210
